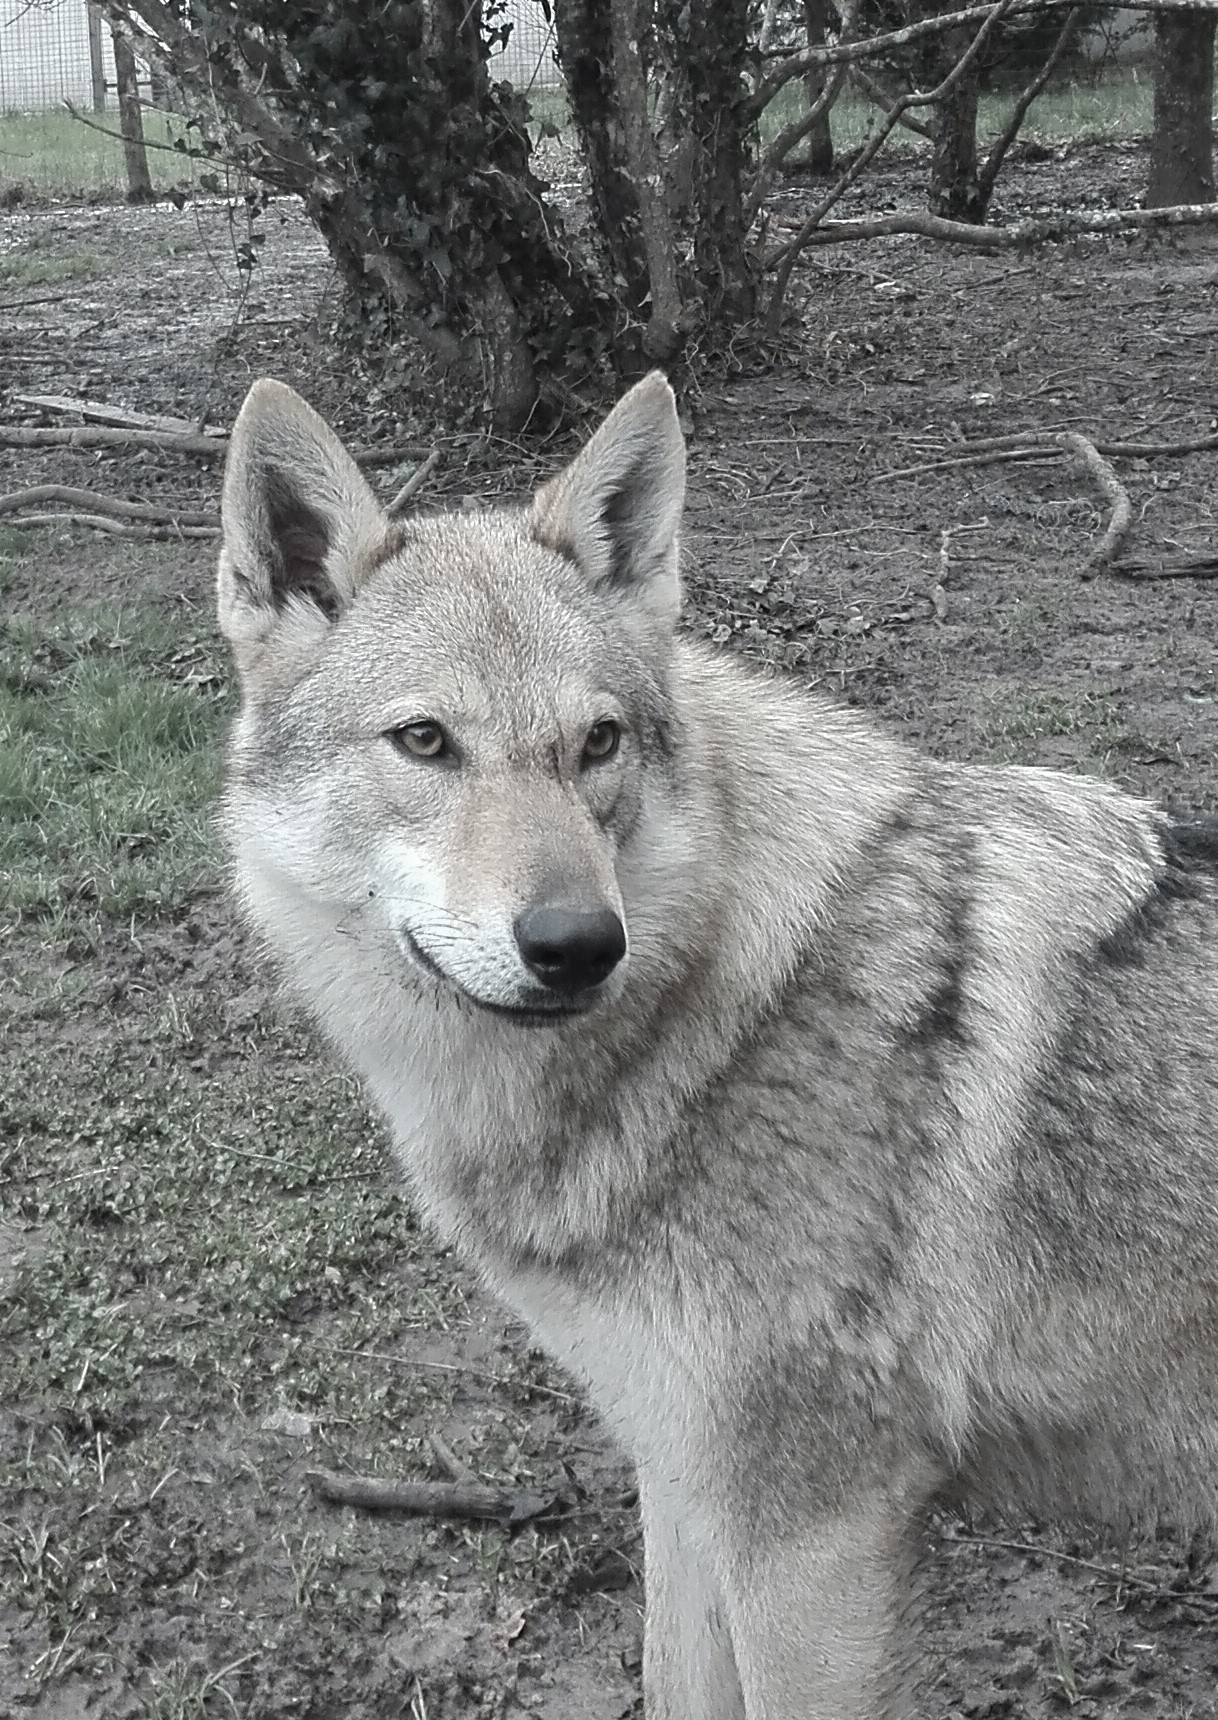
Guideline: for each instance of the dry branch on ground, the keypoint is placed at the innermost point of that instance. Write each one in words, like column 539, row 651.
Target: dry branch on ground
column 1089, row 458
column 115, row 506
column 414, row 484
column 210, row 447
column 1030, row 232
column 432, row 1498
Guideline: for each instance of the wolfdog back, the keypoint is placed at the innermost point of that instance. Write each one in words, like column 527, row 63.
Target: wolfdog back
column 845, row 1119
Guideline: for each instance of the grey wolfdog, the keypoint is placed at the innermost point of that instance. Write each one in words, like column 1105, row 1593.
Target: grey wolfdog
column 847, row 1120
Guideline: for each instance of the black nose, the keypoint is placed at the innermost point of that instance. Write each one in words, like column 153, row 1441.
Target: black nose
column 570, row 949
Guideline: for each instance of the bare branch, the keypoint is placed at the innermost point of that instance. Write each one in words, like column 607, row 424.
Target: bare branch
column 994, row 160
column 784, row 260
column 884, row 100
column 1029, row 232
column 839, row 53
column 792, row 134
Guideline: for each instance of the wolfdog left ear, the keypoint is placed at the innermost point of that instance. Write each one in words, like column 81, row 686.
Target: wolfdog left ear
column 616, row 509
column 299, row 522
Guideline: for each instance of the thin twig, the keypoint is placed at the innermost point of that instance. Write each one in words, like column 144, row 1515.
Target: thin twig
column 287, row 1168
column 991, row 457
column 414, row 483
column 790, row 135
column 988, row 173
column 1110, row 485
column 1040, row 446
column 879, row 97
column 1120, row 1579
column 149, row 142
column 472, row 1373
column 432, row 1498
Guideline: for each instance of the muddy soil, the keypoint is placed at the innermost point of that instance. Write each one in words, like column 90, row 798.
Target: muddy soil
column 949, row 601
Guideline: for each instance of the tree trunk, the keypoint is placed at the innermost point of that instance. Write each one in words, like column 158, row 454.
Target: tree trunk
column 1182, row 146
column 662, row 339
column 820, row 138
column 131, row 120
column 711, row 44
column 585, row 52
column 955, row 192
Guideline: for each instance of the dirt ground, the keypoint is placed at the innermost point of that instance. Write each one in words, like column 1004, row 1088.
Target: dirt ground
column 948, row 602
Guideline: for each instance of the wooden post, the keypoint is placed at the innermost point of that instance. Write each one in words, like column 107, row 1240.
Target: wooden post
column 131, row 120
column 96, row 67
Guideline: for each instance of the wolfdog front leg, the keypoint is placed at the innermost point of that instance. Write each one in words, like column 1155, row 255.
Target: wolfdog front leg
column 820, row 1618
column 689, row 1672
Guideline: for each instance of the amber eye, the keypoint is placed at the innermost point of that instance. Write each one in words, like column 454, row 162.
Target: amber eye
column 420, row 740
column 601, row 742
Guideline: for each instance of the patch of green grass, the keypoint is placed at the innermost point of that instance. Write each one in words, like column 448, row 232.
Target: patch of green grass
column 187, row 1227
column 110, row 731
column 13, row 546
column 55, row 154
column 1116, row 106
column 1020, row 722
column 30, row 265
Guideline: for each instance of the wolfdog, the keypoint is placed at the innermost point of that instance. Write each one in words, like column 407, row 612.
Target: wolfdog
column 846, row 1119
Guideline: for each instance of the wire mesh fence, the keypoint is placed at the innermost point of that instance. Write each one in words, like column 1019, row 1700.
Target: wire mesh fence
column 57, row 55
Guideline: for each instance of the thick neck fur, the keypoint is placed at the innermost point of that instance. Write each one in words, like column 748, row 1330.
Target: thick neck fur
column 530, row 1144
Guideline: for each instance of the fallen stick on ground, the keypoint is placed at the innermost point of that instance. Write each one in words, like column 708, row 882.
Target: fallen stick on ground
column 989, row 457
column 1032, row 231
column 1170, row 567
column 210, row 447
column 1042, row 445
column 113, row 505
column 102, row 436
column 414, row 483
column 432, row 1498
column 105, row 523
column 449, row 1462
column 122, row 416
column 1156, row 450
column 1087, row 455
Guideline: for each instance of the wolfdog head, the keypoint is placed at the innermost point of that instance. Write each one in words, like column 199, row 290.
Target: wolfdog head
column 453, row 730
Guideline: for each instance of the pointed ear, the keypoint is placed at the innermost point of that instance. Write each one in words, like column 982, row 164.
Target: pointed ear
column 616, row 510
column 300, row 526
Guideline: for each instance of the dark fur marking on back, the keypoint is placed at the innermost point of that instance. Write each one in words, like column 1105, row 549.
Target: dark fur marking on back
column 1190, row 858
column 941, row 1018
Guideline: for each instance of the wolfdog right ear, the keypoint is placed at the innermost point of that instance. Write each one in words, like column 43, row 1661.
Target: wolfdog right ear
column 616, row 509
column 299, row 523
